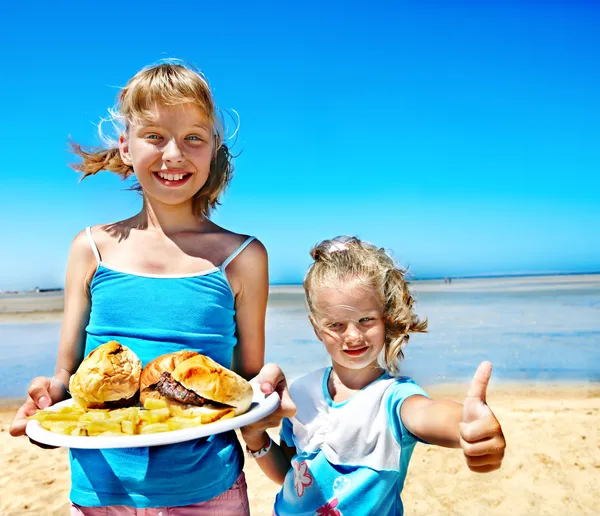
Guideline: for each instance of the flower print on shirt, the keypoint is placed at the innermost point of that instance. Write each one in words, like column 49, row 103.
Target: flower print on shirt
column 329, row 509
column 340, row 484
column 302, row 477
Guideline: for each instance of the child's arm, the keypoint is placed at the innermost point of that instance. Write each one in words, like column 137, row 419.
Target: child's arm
column 432, row 421
column 472, row 426
column 44, row 391
column 277, row 461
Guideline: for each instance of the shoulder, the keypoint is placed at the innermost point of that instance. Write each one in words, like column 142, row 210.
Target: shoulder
column 82, row 260
column 246, row 265
column 229, row 243
column 253, row 251
column 81, row 247
column 308, row 385
column 403, row 387
column 307, row 394
column 399, row 391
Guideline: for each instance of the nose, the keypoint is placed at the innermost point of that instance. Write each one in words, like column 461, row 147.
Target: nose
column 352, row 333
column 172, row 152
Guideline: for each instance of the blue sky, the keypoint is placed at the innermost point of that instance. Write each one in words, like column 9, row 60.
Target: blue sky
column 463, row 136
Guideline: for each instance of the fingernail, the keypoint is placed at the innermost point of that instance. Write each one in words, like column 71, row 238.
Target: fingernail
column 43, row 402
column 267, row 388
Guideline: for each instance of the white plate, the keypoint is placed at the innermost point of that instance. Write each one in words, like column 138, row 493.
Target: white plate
column 261, row 406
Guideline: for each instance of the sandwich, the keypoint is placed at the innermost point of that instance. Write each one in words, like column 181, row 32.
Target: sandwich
column 195, row 385
column 109, row 377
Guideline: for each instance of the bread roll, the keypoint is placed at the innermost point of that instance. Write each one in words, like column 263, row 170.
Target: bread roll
column 214, row 382
column 110, row 373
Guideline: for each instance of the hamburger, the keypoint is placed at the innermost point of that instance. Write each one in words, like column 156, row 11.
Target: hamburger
column 109, row 377
column 196, row 385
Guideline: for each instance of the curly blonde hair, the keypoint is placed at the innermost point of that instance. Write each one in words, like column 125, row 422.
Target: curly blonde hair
column 166, row 84
column 347, row 258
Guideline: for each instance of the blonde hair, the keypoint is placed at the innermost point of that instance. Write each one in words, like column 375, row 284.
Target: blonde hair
column 347, row 258
column 166, row 84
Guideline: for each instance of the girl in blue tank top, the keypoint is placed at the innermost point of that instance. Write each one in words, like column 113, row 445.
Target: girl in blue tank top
column 164, row 280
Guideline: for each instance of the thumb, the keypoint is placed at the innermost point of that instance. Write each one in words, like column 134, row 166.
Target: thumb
column 269, row 378
column 480, row 381
column 39, row 392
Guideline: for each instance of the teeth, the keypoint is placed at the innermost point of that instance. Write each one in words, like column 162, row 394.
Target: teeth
column 171, row 177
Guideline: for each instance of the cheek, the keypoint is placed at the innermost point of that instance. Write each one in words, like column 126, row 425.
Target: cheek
column 203, row 158
column 143, row 152
column 377, row 336
column 330, row 342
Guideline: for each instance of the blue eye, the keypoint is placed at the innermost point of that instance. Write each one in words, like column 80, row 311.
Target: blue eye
column 153, row 136
column 194, row 138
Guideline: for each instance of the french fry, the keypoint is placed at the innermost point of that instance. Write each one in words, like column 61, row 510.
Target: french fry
column 153, row 428
column 180, row 422
column 155, row 417
column 71, row 409
column 123, row 414
column 56, row 416
column 99, row 427
column 94, row 415
column 59, row 427
column 159, row 415
column 153, row 404
column 128, row 427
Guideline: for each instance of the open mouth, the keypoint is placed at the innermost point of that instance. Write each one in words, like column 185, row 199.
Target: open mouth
column 356, row 352
column 169, row 179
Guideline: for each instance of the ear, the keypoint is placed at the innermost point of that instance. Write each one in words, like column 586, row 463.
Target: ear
column 315, row 327
column 124, row 149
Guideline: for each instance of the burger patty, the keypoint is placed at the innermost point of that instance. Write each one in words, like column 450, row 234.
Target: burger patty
column 123, row 402
column 170, row 387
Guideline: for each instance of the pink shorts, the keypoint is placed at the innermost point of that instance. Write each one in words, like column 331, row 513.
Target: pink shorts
column 233, row 502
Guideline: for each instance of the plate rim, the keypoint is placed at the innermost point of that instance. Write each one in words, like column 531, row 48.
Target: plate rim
column 262, row 406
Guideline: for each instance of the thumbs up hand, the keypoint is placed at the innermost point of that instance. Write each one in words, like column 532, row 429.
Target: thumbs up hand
column 481, row 437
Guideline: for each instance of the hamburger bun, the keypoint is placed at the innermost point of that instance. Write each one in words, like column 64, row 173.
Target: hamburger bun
column 225, row 394
column 108, row 376
column 214, row 382
column 151, row 373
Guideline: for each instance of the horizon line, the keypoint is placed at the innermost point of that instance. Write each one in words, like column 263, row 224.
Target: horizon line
column 421, row 278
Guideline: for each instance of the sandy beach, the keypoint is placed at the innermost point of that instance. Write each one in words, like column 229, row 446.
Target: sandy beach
column 552, row 464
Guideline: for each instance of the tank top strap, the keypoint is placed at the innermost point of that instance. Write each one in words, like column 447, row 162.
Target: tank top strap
column 93, row 245
column 236, row 252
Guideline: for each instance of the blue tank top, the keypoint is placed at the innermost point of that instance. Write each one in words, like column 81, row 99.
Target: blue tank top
column 153, row 315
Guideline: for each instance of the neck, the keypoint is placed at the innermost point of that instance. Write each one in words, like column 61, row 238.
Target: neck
column 354, row 379
column 169, row 219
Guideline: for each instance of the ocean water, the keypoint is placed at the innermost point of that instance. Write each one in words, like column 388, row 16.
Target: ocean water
column 544, row 331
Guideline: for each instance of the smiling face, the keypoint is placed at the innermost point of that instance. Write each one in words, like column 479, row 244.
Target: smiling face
column 349, row 322
column 170, row 153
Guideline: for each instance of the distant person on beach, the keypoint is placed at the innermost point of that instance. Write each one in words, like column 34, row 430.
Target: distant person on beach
column 346, row 451
column 164, row 280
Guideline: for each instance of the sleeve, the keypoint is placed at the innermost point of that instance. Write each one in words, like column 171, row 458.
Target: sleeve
column 398, row 392
column 287, row 432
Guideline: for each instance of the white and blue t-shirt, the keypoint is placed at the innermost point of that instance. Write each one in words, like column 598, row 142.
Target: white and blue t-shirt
column 351, row 457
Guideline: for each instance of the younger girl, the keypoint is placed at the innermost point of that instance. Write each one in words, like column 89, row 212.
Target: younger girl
column 346, row 452
column 163, row 280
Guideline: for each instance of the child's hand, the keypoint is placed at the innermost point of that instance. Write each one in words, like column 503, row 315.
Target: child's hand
column 271, row 379
column 43, row 392
column 481, row 436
